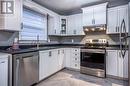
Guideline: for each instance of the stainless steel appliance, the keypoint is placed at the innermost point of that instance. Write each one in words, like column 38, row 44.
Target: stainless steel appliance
column 25, row 69
column 125, row 41
column 93, row 57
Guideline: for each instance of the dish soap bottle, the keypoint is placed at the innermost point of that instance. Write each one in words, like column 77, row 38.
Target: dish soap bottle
column 15, row 44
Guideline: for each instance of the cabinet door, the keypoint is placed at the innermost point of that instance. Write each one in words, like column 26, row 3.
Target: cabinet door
column 4, row 71
column 123, row 65
column 70, row 25
column 43, row 64
column 88, row 19
column 12, row 21
column 61, row 58
column 123, row 15
column 99, row 15
column 112, row 63
column 67, row 57
column 112, row 21
column 54, row 61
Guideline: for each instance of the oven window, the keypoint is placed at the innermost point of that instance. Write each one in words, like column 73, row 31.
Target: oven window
column 93, row 60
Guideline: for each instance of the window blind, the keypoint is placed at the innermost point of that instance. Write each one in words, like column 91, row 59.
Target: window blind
column 34, row 25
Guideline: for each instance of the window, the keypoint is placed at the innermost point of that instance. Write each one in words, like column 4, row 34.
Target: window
column 34, row 26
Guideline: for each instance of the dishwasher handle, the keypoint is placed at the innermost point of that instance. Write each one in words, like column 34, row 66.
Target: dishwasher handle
column 17, row 71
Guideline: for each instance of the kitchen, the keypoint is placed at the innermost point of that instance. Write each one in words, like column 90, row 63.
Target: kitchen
column 64, row 43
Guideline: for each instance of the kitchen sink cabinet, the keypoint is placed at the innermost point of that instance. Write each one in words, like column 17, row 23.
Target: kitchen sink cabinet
column 115, row 18
column 116, row 65
column 43, row 64
column 12, row 21
column 50, row 61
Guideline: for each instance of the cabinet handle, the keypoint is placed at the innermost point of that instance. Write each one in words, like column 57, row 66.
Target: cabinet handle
column 116, row 28
column 2, row 62
column 21, row 25
column 120, row 54
column 94, row 21
column 55, row 31
column 76, row 59
column 63, row 51
column 75, row 65
column 49, row 53
column 58, row 51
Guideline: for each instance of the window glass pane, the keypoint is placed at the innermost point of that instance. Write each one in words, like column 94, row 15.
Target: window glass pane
column 34, row 24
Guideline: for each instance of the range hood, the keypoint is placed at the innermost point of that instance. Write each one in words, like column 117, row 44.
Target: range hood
column 95, row 28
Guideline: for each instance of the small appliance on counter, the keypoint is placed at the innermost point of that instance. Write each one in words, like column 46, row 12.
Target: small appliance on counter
column 93, row 56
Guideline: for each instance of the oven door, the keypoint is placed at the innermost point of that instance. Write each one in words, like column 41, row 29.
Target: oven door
column 93, row 61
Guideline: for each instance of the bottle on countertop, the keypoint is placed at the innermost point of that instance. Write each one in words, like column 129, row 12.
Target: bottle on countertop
column 15, row 45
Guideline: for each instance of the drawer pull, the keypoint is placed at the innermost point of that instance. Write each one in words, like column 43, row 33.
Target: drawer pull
column 2, row 62
column 75, row 65
column 75, row 58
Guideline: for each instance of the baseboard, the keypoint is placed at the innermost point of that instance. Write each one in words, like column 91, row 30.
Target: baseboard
column 116, row 77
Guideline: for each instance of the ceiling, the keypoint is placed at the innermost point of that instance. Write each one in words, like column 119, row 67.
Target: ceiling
column 67, row 7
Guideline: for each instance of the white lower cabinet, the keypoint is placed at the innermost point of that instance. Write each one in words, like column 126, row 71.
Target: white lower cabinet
column 72, row 58
column 116, row 65
column 51, row 61
column 61, row 58
column 4, row 70
column 112, row 63
column 43, row 64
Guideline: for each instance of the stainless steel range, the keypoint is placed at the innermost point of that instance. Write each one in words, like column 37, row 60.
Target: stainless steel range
column 93, row 56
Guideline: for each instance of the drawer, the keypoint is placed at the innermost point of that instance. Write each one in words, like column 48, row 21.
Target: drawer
column 75, row 50
column 76, row 55
column 75, row 65
column 75, row 59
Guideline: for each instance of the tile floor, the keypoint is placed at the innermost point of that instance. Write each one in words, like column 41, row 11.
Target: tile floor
column 73, row 78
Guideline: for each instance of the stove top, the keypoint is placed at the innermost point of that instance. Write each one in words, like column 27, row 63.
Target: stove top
column 95, row 44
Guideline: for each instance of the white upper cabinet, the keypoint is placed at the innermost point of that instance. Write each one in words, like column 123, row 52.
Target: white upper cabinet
column 94, row 15
column 53, row 25
column 75, row 25
column 115, row 17
column 11, row 21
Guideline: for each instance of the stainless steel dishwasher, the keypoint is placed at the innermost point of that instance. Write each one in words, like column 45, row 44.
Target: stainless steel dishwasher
column 25, row 69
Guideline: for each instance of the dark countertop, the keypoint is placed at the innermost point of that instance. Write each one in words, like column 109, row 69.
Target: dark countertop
column 32, row 48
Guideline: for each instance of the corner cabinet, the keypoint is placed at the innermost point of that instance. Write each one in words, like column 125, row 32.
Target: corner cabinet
column 12, row 21
column 94, row 15
column 115, row 17
column 116, row 65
